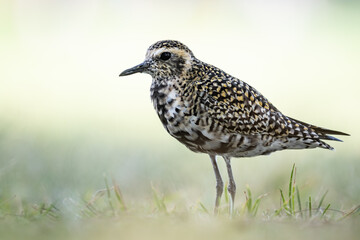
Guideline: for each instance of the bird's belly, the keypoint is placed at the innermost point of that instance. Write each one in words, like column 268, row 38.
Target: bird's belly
column 201, row 138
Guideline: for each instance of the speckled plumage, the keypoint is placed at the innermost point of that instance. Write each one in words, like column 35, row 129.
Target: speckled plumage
column 210, row 111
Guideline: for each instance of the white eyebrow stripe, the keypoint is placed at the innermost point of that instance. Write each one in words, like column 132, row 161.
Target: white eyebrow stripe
column 157, row 52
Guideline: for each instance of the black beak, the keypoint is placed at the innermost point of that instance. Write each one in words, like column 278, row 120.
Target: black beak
column 138, row 68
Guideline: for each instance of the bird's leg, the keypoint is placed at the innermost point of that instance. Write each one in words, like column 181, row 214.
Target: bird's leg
column 219, row 183
column 231, row 186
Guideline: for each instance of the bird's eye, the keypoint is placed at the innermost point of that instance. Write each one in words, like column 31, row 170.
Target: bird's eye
column 165, row 56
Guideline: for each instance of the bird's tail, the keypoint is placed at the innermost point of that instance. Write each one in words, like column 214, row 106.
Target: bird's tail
column 323, row 132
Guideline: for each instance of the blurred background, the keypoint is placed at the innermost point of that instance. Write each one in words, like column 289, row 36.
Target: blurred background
column 67, row 119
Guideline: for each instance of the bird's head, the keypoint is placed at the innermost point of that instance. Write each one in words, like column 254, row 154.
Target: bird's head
column 164, row 59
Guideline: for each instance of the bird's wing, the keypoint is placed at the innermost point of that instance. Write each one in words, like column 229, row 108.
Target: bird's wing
column 238, row 107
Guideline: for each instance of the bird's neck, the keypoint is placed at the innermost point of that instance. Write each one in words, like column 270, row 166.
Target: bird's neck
column 163, row 91
column 176, row 88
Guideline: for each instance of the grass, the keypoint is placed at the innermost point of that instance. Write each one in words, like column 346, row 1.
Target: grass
column 288, row 206
column 107, row 214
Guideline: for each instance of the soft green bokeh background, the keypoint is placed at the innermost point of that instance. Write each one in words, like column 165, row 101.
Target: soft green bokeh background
column 66, row 118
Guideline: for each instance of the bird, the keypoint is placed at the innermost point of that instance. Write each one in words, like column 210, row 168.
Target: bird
column 212, row 112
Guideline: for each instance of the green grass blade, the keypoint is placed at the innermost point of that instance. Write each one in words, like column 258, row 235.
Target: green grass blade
column 119, row 196
column 310, row 207
column 322, row 199
column 203, row 208
column 109, row 195
column 249, row 201
column 226, row 194
column 299, row 201
column 282, row 198
column 257, row 204
column 244, row 206
column 50, row 211
column 159, row 202
column 327, row 208
column 283, row 204
column 255, row 207
column 91, row 210
column 291, row 190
